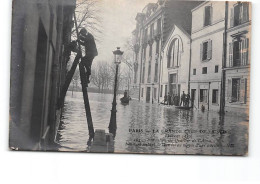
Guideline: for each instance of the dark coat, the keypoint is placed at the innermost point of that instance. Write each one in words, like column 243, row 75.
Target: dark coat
column 88, row 42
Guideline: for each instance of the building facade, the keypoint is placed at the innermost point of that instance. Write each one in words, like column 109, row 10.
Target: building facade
column 208, row 25
column 147, row 51
column 41, row 32
column 237, row 62
column 206, row 54
column 153, row 28
column 175, row 64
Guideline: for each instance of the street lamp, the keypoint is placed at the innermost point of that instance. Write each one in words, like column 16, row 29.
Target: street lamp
column 112, row 124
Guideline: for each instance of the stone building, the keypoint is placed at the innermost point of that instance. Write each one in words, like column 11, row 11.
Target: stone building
column 41, row 31
column 153, row 27
column 237, row 62
column 175, row 64
column 208, row 25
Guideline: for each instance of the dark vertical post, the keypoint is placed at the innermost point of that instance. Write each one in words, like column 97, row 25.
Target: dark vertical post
column 112, row 124
column 208, row 95
column 152, row 92
column 224, row 56
column 86, row 100
column 141, row 70
column 84, row 90
column 68, row 80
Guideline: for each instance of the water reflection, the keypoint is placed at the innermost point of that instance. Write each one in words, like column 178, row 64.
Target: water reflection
column 147, row 128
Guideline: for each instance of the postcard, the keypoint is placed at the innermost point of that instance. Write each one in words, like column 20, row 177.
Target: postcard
column 130, row 76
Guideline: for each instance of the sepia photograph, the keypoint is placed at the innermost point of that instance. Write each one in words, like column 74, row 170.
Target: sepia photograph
column 130, row 76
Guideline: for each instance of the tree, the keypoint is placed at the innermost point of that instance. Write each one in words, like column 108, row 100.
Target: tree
column 88, row 16
column 101, row 76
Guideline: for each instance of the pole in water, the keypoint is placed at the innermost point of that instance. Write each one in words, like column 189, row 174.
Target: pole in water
column 84, row 90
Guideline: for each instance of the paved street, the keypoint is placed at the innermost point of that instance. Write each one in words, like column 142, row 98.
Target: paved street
column 147, row 128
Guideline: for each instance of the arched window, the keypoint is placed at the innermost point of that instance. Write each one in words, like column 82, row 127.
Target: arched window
column 174, row 53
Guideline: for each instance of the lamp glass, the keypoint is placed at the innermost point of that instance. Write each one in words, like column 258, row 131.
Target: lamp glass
column 118, row 59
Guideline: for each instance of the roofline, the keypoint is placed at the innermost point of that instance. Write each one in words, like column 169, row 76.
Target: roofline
column 173, row 29
column 200, row 5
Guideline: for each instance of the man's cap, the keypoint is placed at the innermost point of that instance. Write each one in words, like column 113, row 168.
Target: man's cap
column 83, row 30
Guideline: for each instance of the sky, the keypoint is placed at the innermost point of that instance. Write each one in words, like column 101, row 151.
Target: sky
column 118, row 22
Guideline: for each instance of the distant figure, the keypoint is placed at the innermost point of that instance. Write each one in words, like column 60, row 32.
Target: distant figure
column 187, row 100
column 125, row 94
column 87, row 40
column 165, row 100
column 202, row 108
column 172, row 97
column 183, row 98
column 169, row 99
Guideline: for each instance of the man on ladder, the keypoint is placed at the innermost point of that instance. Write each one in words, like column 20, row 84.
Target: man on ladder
column 87, row 40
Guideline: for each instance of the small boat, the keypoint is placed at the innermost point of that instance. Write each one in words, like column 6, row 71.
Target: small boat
column 183, row 107
column 124, row 100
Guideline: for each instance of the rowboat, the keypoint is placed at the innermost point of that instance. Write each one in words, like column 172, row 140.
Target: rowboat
column 183, row 107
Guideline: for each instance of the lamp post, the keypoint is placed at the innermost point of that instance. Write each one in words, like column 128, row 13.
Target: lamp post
column 152, row 92
column 73, row 82
column 112, row 124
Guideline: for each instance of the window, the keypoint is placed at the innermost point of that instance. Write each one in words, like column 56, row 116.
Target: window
column 173, row 54
column 173, row 86
column 150, row 50
column 144, row 52
column 204, row 95
column 149, row 72
column 145, row 36
column 135, row 77
column 159, row 26
column 206, row 50
column 156, row 71
column 216, row 69
column 151, row 31
column 239, row 14
column 238, row 51
column 143, row 74
column 157, row 47
column 194, row 71
column 173, row 78
column 207, row 15
column 235, row 90
column 215, row 96
column 204, row 70
column 155, row 93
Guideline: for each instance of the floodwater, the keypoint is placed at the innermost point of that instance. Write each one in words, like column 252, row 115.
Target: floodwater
column 153, row 128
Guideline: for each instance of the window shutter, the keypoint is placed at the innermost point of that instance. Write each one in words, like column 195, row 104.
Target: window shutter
column 242, row 91
column 229, row 88
column 241, row 14
column 231, row 54
column 232, row 18
column 201, row 51
column 209, row 54
column 245, row 12
column 246, row 51
column 211, row 14
column 241, row 52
